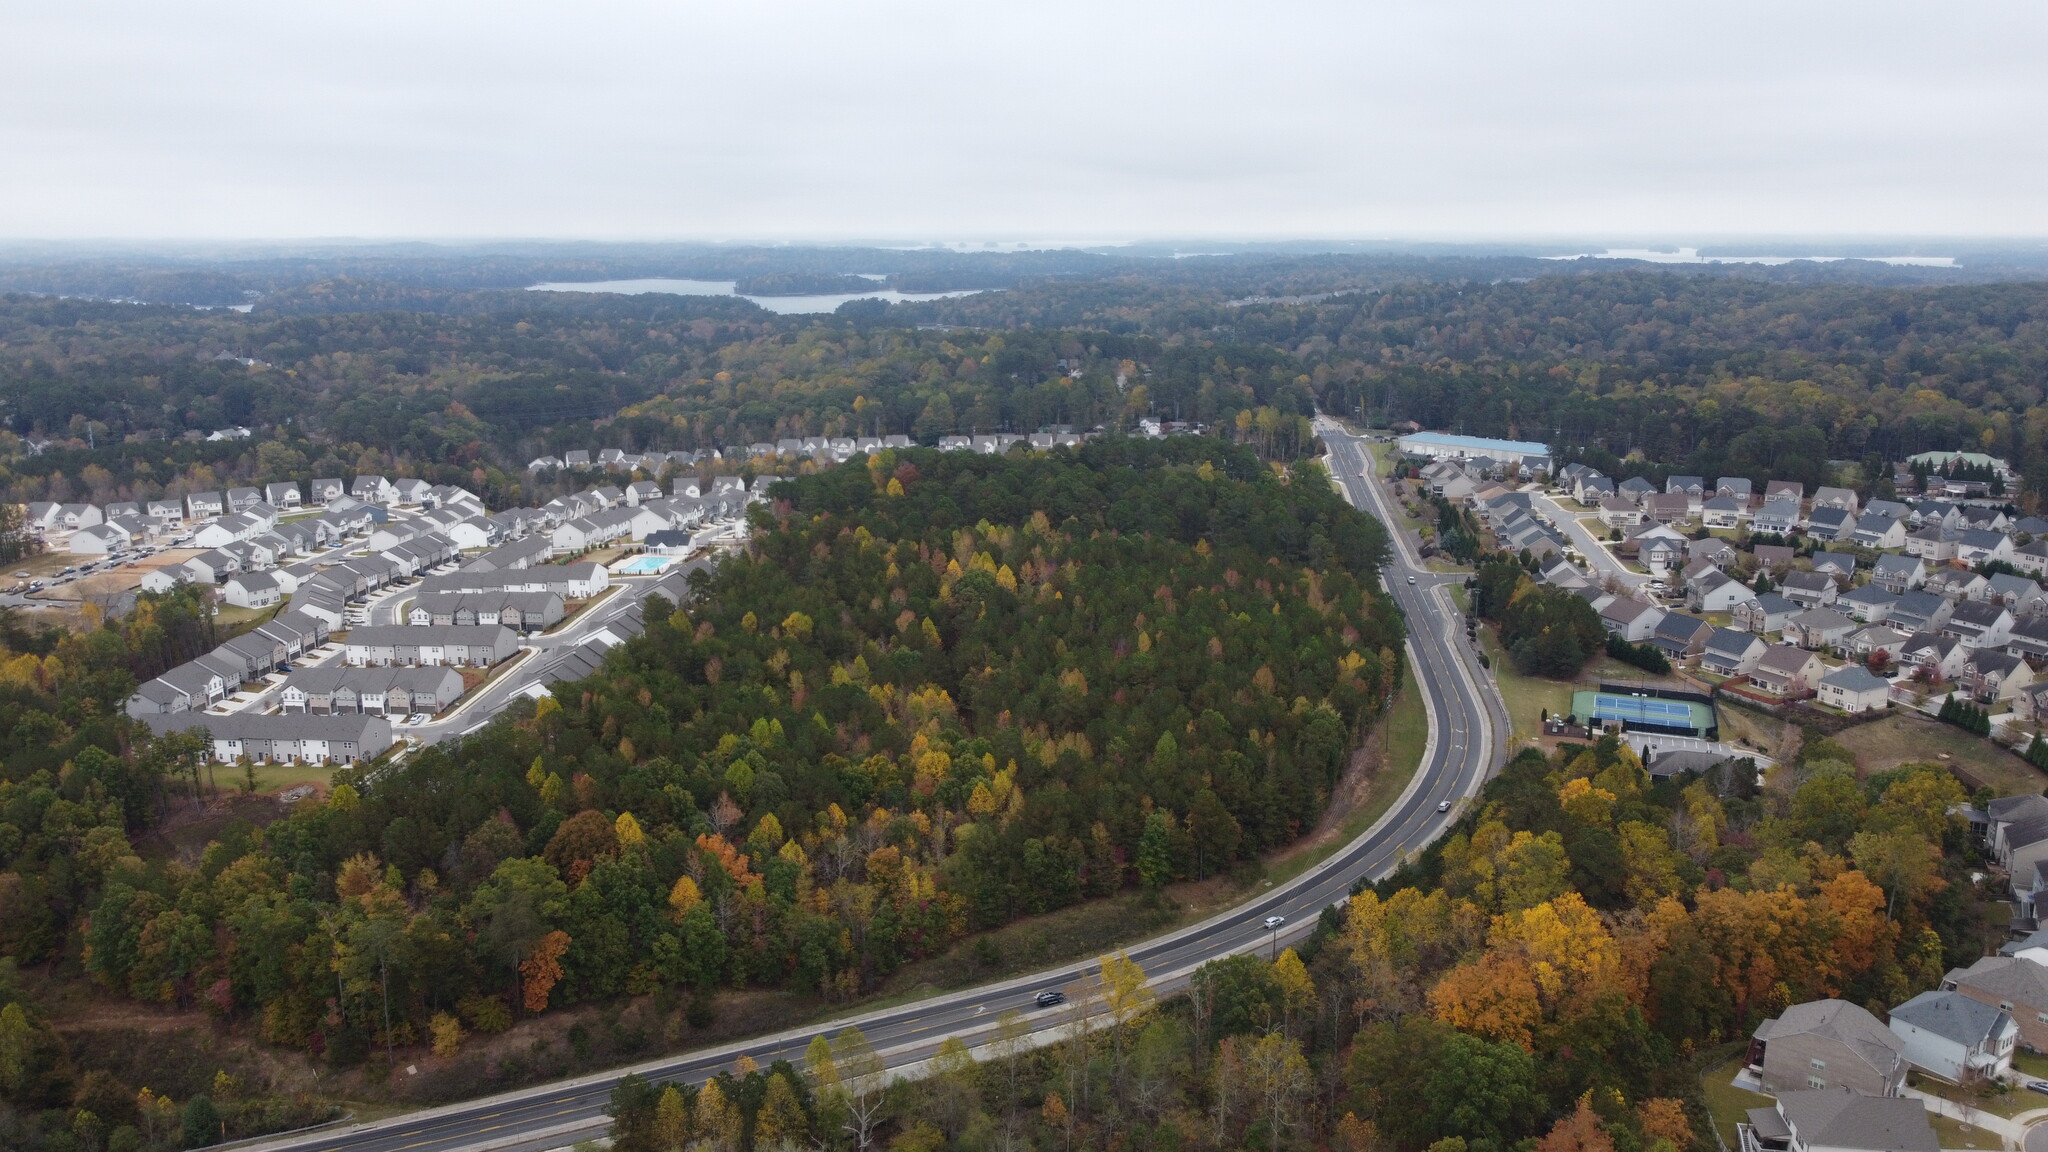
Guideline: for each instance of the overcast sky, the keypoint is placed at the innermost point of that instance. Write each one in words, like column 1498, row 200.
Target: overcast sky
column 948, row 121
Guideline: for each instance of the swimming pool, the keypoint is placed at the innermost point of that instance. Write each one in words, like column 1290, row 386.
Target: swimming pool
column 644, row 565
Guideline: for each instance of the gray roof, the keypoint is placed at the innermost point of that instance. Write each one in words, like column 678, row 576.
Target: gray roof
column 283, row 726
column 1843, row 1022
column 1840, row 1118
column 1730, row 642
column 1952, row 1016
column 2008, row 978
column 1855, row 678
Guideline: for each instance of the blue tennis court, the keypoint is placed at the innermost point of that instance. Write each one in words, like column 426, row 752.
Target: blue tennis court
column 1646, row 712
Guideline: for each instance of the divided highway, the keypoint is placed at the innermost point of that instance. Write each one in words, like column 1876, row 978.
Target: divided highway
column 1467, row 728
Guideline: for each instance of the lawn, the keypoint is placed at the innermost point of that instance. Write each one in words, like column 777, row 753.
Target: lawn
column 1728, row 1104
column 1907, row 738
column 232, row 621
column 1526, row 696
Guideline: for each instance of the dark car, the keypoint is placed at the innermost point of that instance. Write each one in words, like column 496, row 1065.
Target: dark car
column 1049, row 999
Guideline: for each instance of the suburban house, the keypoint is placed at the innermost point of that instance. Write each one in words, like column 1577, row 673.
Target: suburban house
column 1721, row 512
column 1618, row 513
column 1831, row 524
column 1778, row 516
column 2014, row 984
column 282, row 496
column 478, row 645
column 203, row 505
column 1630, row 619
column 1920, row 611
column 1729, row 652
column 1871, row 603
column 1827, row 1044
column 1881, row 533
column 1681, row 637
column 1716, row 591
column 1854, row 688
column 1765, row 613
column 1659, row 549
column 1819, row 628
column 1941, row 656
column 1809, row 589
column 1787, row 672
column 1876, row 638
column 284, row 739
column 1956, row 584
column 251, row 590
column 2018, row 593
column 2032, row 557
column 1933, row 543
column 1840, row 564
column 1838, row 1120
column 2031, row 703
column 1737, row 487
column 1991, row 675
column 1980, row 624
column 380, row 691
column 1842, row 498
column 1981, row 546
column 1666, row 507
column 1635, row 490
column 1693, row 488
column 1794, row 490
column 1956, row 1038
column 1776, row 557
column 323, row 490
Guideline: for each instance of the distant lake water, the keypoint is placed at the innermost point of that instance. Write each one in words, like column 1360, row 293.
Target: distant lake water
column 1692, row 256
column 787, row 305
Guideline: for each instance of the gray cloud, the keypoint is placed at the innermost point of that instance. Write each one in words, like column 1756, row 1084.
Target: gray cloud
column 953, row 120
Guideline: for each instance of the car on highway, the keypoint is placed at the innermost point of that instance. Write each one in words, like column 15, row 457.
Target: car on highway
column 1273, row 922
column 1050, row 998
column 1411, row 579
column 1445, row 806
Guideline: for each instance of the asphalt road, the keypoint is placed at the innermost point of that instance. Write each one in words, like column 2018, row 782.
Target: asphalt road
column 1462, row 751
column 1594, row 550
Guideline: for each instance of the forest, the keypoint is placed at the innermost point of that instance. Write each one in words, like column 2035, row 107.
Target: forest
column 1766, row 373
column 1553, row 976
column 938, row 691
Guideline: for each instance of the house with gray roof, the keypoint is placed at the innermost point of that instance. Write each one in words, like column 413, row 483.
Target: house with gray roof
column 1870, row 604
column 1899, row 573
column 283, row 739
column 1956, row 1038
column 1729, row 652
column 1831, row 524
column 1763, row 613
column 1838, row 1120
column 1920, row 611
column 1680, row 637
column 1854, row 688
column 2016, row 984
column 1809, row 589
column 1838, row 1043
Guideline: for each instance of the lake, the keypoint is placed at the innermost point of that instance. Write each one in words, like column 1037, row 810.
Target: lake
column 787, row 305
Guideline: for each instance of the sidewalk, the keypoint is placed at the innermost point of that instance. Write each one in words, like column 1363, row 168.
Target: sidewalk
column 2013, row 1132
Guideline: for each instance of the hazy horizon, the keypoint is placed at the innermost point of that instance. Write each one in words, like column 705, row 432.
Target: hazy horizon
column 623, row 120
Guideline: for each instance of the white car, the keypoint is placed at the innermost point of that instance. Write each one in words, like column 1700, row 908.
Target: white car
column 1274, row 922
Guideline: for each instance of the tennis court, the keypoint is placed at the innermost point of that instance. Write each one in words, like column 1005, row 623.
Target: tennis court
column 1644, row 712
